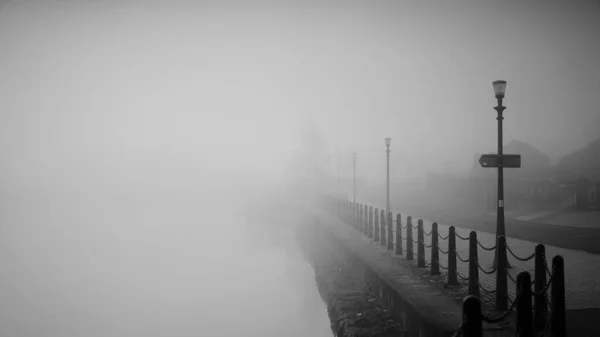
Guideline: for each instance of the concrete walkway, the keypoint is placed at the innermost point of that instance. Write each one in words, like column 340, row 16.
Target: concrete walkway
column 582, row 278
column 432, row 302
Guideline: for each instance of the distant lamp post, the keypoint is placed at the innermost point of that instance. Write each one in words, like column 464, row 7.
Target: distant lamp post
column 500, row 259
column 354, row 183
column 388, row 142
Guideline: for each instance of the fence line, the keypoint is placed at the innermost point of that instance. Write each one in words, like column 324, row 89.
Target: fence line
column 547, row 312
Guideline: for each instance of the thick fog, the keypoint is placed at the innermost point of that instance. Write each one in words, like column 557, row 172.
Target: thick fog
column 133, row 133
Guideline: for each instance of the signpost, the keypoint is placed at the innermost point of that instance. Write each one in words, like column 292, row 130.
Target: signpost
column 497, row 160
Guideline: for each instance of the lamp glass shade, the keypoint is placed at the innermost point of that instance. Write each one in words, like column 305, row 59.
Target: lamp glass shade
column 499, row 88
column 388, row 141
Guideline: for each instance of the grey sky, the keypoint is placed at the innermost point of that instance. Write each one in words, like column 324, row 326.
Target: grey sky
column 231, row 83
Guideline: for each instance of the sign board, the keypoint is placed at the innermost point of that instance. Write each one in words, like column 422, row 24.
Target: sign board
column 495, row 160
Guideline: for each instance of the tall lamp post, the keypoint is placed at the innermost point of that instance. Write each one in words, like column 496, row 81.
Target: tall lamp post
column 500, row 258
column 388, row 142
column 499, row 90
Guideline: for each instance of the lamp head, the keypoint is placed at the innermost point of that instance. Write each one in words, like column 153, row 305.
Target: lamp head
column 499, row 88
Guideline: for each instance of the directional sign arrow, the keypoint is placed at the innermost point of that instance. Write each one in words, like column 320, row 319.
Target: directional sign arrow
column 496, row 160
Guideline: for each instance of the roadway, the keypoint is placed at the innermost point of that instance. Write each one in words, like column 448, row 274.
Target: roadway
column 576, row 238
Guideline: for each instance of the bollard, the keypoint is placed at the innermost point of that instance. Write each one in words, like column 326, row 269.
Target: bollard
column 473, row 269
column 370, row 226
column 524, row 314
column 472, row 324
column 501, row 281
column 376, row 225
column 541, row 305
column 354, row 215
column 409, row 238
column 452, row 273
column 366, row 221
column 390, row 230
column 435, row 253
column 421, row 245
column 348, row 212
column 399, row 234
column 558, row 325
column 361, row 219
column 383, row 223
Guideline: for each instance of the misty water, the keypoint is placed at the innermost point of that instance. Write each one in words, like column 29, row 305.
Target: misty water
column 72, row 267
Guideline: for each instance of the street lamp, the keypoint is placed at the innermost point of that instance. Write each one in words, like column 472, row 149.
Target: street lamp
column 388, row 142
column 354, row 185
column 354, row 179
column 499, row 90
column 500, row 258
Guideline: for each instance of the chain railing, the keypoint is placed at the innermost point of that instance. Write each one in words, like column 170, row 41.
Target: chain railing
column 548, row 311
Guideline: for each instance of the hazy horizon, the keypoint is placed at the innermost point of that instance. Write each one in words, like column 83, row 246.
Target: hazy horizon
column 232, row 85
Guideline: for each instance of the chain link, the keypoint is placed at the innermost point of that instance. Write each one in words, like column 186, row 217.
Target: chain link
column 490, row 272
column 442, row 237
column 518, row 258
column 545, row 290
column 460, row 237
column 510, row 276
column 486, row 248
column 501, row 317
column 427, row 234
column 442, row 251
column 461, row 259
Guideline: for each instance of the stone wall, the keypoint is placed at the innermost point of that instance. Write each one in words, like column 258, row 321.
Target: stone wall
column 354, row 309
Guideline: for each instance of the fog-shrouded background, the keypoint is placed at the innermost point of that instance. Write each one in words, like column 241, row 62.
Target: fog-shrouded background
column 123, row 122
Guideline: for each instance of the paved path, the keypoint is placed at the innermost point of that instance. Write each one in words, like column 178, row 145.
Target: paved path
column 582, row 278
column 579, row 237
column 424, row 298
